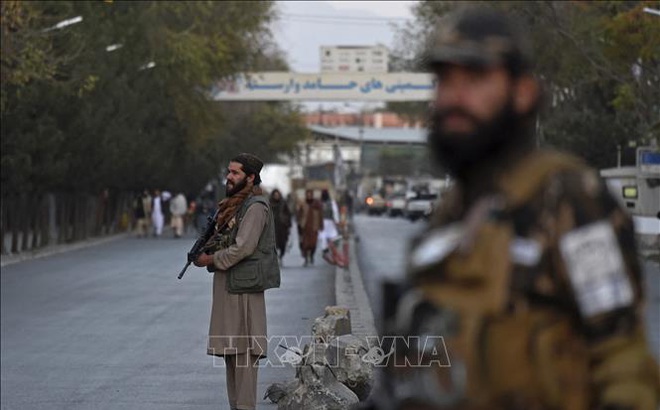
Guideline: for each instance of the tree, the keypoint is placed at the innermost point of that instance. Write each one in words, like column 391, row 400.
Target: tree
column 598, row 61
column 120, row 99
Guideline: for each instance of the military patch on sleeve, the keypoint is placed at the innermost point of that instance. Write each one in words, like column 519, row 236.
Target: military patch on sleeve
column 596, row 269
column 436, row 246
column 525, row 252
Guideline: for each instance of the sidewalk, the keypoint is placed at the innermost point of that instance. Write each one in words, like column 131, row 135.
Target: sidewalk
column 49, row 250
column 350, row 292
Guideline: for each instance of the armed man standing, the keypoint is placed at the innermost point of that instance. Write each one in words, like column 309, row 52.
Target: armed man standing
column 528, row 270
column 242, row 255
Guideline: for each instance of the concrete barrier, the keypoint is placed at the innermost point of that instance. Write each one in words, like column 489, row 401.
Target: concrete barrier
column 647, row 232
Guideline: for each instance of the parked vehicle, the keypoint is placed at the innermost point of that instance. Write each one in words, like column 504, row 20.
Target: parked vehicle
column 376, row 204
column 396, row 205
column 420, row 206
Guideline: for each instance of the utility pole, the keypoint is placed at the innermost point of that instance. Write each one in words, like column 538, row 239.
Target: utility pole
column 361, row 132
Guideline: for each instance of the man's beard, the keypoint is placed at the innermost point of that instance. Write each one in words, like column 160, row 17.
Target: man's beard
column 459, row 152
column 236, row 188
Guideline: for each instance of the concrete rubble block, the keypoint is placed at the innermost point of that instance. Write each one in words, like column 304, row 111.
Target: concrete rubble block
column 344, row 355
column 318, row 389
column 277, row 392
column 315, row 353
column 316, row 386
column 335, row 322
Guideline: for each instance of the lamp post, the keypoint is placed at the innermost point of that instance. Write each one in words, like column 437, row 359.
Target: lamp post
column 361, row 132
column 64, row 23
column 652, row 11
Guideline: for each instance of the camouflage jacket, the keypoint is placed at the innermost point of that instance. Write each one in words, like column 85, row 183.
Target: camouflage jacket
column 555, row 250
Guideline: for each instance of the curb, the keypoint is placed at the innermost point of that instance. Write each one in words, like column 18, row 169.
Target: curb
column 6, row 260
column 349, row 292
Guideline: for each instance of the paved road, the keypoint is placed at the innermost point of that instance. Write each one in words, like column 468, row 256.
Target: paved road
column 383, row 244
column 110, row 327
column 381, row 249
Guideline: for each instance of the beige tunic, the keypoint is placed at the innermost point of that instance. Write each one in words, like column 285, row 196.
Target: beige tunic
column 238, row 321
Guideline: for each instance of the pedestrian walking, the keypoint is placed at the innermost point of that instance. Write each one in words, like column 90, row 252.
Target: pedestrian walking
column 178, row 209
column 189, row 219
column 309, row 217
column 157, row 217
column 282, row 218
column 142, row 212
column 330, row 220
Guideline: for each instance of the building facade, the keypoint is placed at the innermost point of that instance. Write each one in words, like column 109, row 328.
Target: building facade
column 368, row 59
column 372, row 120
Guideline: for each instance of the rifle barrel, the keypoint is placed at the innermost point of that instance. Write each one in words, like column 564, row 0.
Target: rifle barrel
column 183, row 270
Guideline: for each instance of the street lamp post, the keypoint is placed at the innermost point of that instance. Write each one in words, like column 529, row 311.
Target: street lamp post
column 361, row 132
column 652, row 11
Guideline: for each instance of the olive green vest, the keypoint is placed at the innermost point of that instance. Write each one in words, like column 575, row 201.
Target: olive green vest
column 261, row 270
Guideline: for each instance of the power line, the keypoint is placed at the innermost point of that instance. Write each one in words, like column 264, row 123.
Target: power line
column 335, row 22
column 334, row 17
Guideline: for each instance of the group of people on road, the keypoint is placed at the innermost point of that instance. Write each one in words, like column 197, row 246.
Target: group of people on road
column 316, row 221
column 150, row 213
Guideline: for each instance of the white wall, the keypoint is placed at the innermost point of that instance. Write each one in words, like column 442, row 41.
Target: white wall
column 321, row 152
column 276, row 176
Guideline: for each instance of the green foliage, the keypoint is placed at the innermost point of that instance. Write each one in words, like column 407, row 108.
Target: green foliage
column 599, row 63
column 79, row 116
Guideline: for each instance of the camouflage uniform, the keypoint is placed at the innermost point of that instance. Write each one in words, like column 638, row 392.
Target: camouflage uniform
column 530, row 275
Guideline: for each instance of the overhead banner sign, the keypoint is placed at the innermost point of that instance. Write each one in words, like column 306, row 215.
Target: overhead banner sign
column 274, row 86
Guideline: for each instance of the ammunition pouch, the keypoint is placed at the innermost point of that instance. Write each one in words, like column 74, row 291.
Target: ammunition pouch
column 530, row 360
column 533, row 358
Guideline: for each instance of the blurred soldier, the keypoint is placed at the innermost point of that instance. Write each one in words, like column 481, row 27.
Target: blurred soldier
column 243, row 256
column 310, row 221
column 142, row 208
column 178, row 208
column 157, row 217
column 282, row 218
column 528, row 270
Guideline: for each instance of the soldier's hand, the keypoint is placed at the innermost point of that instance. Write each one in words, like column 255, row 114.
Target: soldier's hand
column 204, row 260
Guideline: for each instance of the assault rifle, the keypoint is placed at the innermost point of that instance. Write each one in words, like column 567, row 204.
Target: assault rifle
column 198, row 247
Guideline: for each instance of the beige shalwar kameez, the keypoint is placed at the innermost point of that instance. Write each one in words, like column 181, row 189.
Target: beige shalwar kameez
column 238, row 321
